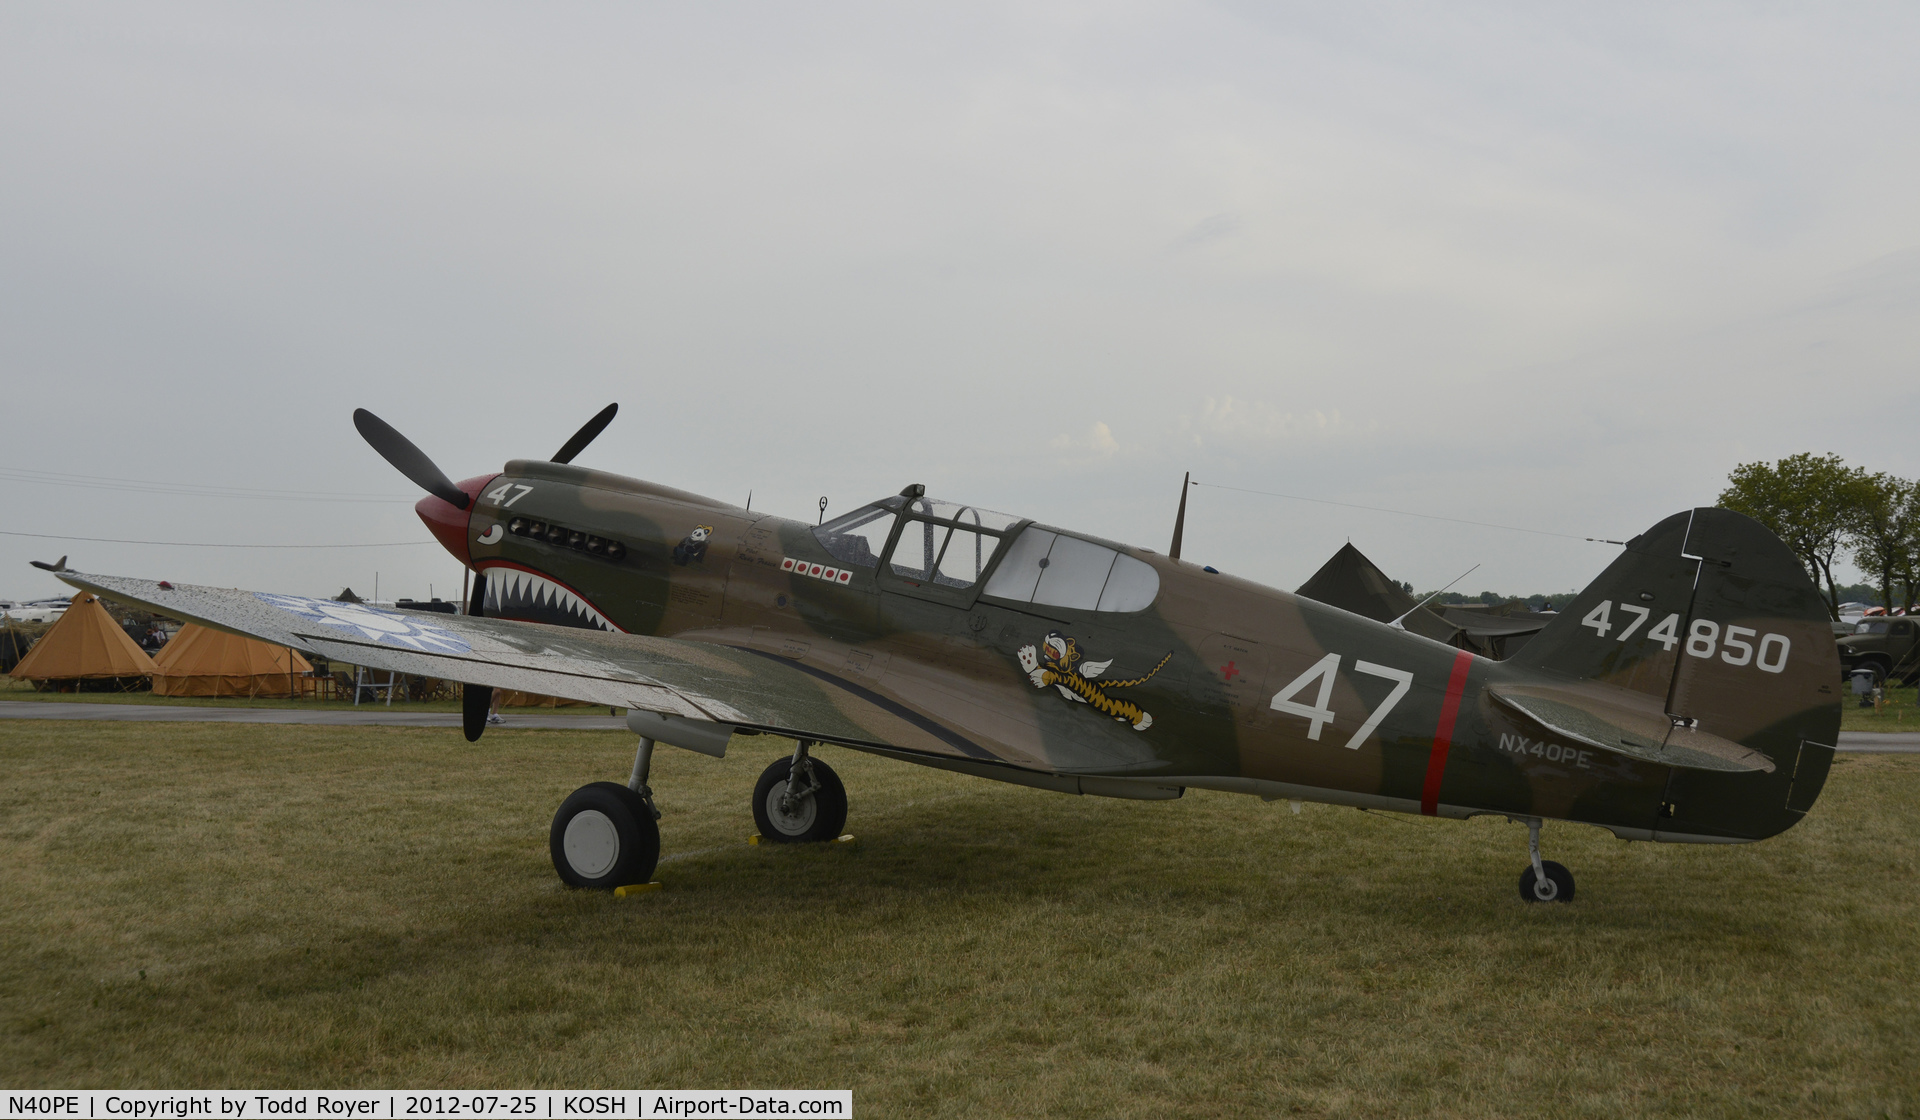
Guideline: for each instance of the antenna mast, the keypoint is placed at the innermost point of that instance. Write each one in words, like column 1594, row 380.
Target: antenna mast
column 1180, row 519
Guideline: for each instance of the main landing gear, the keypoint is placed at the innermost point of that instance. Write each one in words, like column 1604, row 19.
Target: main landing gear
column 1543, row 880
column 799, row 800
column 607, row 835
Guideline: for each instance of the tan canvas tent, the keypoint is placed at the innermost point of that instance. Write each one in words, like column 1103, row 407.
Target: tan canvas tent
column 203, row 662
column 1351, row 582
column 515, row 699
column 85, row 645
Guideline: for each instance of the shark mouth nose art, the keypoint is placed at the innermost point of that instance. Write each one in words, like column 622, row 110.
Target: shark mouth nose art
column 529, row 596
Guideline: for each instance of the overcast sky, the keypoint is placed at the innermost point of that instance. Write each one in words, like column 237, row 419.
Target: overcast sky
column 1556, row 267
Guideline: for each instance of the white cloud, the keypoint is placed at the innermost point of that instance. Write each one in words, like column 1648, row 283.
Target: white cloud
column 1257, row 425
column 1096, row 444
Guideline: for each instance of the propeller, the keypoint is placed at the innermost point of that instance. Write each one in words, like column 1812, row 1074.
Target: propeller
column 586, row 434
column 413, row 462
column 408, row 459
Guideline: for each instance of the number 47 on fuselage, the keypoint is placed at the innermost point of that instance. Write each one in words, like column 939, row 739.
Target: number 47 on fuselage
column 1689, row 694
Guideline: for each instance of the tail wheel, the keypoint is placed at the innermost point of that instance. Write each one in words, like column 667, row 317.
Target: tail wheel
column 807, row 811
column 1556, row 887
column 604, row 836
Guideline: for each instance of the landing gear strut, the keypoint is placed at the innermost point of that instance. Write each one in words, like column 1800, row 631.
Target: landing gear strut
column 799, row 800
column 1543, row 880
column 607, row 835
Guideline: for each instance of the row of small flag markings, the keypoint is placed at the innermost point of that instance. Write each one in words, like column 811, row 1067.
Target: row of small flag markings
column 817, row 571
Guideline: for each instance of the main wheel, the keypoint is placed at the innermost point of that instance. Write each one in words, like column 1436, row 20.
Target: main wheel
column 604, row 836
column 816, row 814
column 1558, row 886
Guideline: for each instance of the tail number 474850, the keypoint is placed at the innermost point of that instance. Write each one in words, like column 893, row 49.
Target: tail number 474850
column 1704, row 637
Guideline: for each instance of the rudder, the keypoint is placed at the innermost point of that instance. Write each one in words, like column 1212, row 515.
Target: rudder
column 1710, row 614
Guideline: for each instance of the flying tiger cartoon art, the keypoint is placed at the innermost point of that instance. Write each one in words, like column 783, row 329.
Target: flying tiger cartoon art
column 1057, row 661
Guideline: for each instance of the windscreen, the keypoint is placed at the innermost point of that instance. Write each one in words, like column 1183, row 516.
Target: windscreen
column 857, row 539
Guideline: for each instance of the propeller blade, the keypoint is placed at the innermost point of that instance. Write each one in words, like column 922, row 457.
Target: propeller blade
column 586, row 434
column 408, row 459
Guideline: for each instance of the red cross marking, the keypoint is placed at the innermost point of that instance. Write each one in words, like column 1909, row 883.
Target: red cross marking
column 1229, row 670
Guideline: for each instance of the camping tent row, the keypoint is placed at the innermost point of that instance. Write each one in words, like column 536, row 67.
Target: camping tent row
column 88, row 645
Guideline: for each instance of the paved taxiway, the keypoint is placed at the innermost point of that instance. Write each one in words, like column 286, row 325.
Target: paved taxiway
column 1866, row 742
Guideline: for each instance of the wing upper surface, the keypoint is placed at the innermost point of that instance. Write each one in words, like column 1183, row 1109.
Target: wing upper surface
column 697, row 680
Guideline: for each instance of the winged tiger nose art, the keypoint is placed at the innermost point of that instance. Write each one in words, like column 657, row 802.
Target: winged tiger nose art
column 817, row 571
column 1058, row 662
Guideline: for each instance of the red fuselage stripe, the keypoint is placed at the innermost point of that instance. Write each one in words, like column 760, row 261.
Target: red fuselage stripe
column 1443, row 735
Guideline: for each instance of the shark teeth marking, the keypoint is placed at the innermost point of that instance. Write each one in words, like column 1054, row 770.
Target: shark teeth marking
column 510, row 590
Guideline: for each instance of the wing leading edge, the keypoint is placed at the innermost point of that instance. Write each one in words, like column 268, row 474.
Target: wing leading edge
column 693, row 680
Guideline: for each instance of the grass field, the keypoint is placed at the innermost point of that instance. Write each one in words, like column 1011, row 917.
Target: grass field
column 221, row 905
column 1896, row 713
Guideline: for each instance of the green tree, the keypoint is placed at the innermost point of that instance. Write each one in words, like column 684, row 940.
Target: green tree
column 1885, row 539
column 1815, row 503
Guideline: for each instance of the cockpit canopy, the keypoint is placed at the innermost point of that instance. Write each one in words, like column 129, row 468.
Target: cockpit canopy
column 950, row 545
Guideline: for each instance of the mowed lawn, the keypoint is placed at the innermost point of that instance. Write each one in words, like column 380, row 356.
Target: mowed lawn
column 214, row 905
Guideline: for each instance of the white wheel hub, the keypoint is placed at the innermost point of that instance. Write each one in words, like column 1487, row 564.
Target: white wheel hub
column 796, row 821
column 591, row 843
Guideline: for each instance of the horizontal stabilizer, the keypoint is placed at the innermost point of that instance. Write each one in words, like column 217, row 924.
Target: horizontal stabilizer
column 1628, row 723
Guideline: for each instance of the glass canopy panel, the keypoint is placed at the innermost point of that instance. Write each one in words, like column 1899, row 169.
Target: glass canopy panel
column 1073, row 574
column 967, row 555
column 1131, row 587
column 919, row 548
column 857, row 539
column 1019, row 572
column 966, row 515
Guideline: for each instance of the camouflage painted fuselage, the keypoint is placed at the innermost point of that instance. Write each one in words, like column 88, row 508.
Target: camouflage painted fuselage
column 1244, row 688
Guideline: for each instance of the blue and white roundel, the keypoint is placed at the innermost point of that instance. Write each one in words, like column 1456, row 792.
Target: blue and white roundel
column 370, row 623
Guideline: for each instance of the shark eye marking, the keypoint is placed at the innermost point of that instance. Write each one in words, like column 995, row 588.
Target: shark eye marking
column 577, row 539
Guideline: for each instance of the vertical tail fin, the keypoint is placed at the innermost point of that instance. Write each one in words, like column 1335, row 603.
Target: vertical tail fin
column 1712, row 617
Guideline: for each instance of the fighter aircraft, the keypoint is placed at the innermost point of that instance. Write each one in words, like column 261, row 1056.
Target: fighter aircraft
column 1689, row 695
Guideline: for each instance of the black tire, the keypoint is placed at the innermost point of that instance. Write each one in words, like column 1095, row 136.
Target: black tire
column 1559, row 883
column 1879, row 668
column 603, row 837
column 820, row 815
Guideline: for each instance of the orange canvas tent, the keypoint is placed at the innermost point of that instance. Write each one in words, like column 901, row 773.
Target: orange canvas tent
column 203, row 662
column 513, row 698
column 85, row 645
